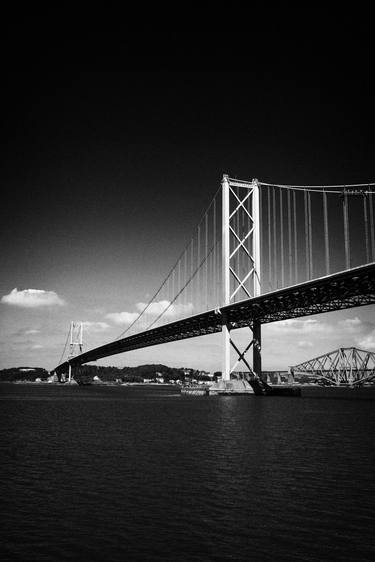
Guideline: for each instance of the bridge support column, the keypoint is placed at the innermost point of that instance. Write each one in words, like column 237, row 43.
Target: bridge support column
column 240, row 264
column 226, row 368
column 257, row 355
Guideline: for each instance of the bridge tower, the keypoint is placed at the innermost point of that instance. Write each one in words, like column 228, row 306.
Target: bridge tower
column 76, row 343
column 241, row 263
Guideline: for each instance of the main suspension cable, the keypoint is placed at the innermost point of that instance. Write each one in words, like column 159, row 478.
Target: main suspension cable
column 66, row 343
column 184, row 287
column 171, row 271
column 323, row 188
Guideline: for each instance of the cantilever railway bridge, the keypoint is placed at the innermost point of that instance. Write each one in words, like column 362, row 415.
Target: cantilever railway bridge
column 261, row 253
column 346, row 365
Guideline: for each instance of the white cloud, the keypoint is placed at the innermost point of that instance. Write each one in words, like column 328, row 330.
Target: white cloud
column 36, row 346
column 98, row 310
column 368, row 343
column 96, row 326
column 351, row 321
column 307, row 326
column 122, row 317
column 351, row 324
column 170, row 310
column 31, row 332
column 304, row 344
column 32, row 298
column 154, row 309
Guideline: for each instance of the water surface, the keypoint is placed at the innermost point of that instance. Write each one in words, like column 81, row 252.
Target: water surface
column 125, row 473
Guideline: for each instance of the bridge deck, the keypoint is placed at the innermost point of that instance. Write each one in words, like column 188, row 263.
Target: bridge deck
column 348, row 289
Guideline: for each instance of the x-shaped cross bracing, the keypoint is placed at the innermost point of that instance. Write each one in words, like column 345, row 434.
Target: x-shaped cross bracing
column 241, row 283
column 242, row 356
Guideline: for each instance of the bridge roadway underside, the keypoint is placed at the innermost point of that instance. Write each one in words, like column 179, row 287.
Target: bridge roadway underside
column 348, row 289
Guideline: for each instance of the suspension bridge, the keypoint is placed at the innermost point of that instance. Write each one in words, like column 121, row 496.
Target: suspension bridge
column 260, row 253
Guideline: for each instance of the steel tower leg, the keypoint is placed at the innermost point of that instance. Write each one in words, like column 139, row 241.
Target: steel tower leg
column 256, row 237
column 226, row 351
column 226, row 278
column 257, row 326
column 257, row 355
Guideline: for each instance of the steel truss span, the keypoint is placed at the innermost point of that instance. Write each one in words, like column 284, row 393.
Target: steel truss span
column 346, row 365
column 338, row 291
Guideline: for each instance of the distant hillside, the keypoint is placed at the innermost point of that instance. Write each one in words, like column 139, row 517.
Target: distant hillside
column 108, row 374
column 22, row 374
column 136, row 374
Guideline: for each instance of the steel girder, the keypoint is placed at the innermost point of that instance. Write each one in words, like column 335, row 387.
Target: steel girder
column 352, row 288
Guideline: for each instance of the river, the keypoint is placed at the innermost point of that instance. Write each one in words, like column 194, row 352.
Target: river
column 105, row 473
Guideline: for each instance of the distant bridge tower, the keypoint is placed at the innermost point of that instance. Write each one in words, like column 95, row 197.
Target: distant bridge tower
column 76, row 343
column 241, row 263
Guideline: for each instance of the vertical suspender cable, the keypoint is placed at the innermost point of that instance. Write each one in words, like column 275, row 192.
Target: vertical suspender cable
column 274, row 238
column 191, row 272
column 372, row 226
column 307, row 252
column 243, row 226
column 310, row 235
column 346, row 230
column 186, row 277
column 290, row 240
column 365, row 220
column 179, row 276
column 269, row 238
column 167, row 289
column 282, row 239
column 240, row 229
column 214, row 255
column 180, row 284
column 236, row 226
column 198, row 272
column 326, row 233
column 173, row 286
column 295, row 238
column 218, row 255
column 206, row 263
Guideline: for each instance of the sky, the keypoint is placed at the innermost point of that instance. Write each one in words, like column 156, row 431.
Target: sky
column 115, row 149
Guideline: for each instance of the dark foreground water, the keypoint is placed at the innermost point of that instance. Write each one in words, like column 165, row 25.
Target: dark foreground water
column 119, row 473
